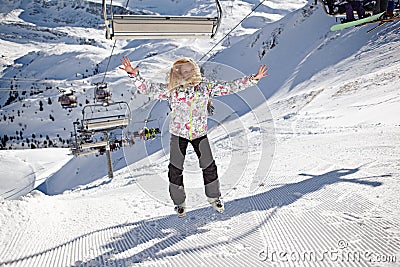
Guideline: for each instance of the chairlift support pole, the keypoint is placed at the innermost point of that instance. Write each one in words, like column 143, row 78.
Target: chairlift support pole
column 76, row 138
column 105, row 124
column 108, row 154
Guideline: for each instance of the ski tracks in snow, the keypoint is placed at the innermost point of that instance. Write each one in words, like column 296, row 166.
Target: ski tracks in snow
column 294, row 218
column 304, row 214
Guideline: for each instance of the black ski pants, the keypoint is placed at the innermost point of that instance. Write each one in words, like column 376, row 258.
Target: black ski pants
column 201, row 146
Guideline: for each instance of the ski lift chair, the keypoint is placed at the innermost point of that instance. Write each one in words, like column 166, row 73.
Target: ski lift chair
column 93, row 145
column 78, row 153
column 102, row 92
column 68, row 100
column 160, row 27
column 84, row 144
column 100, row 118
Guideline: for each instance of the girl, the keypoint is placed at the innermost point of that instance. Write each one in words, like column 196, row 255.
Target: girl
column 188, row 93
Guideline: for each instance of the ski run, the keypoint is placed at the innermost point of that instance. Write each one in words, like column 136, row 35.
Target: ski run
column 309, row 177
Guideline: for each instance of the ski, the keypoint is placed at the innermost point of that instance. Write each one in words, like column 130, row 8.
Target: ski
column 382, row 22
column 359, row 22
column 377, row 26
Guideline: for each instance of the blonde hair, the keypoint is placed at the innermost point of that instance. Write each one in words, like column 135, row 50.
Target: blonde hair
column 175, row 77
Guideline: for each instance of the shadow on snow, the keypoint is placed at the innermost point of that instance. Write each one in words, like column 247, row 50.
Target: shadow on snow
column 168, row 231
column 172, row 230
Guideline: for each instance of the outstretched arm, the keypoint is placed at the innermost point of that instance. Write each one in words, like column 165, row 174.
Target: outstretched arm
column 262, row 72
column 126, row 63
column 224, row 88
column 153, row 90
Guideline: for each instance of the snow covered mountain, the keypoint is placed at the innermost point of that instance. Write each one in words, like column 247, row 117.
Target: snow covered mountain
column 308, row 159
column 50, row 46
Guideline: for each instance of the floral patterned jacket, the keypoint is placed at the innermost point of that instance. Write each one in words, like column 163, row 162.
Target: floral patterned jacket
column 189, row 106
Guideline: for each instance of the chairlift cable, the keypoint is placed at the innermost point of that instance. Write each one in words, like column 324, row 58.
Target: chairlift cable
column 30, row 80
column 109, row 59
column 20, row 89
column 115, row 41
column 24, row 80
column 226, row 35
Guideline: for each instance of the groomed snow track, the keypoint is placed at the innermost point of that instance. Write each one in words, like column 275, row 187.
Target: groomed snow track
column 336, row 232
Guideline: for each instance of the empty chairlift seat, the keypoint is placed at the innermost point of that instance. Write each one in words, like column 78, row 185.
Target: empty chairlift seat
column 160, row 27
column 99, row 118
column 105, row 123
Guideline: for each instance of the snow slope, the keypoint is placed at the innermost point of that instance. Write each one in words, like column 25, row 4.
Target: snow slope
column 328, row 199
column 24, row 170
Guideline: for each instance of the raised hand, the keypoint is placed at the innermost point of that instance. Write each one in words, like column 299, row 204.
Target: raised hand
column 262, row 72
column 128, row 67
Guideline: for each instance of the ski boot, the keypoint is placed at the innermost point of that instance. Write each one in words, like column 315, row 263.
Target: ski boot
column 217, row 204
column 181, row 210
